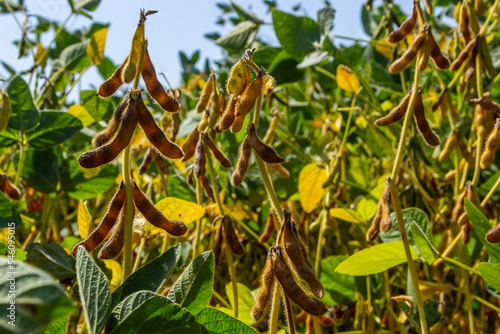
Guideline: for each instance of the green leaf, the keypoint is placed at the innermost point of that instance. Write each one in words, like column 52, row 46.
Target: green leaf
column 41, row 170
column 39, row 300
column 216, row 321
column 150, row 276
column 314, row 58
column 481, row 226
column 245, row 302
column 53, row 259
column 325, row 19
column 238, row 37
column 298, row 35
column 375, row 259
column 490, row 273
column 9, row 137
column 193, row 289
column 106, row 68
column 55, row 128
column 89, row 5
column 245, row 14
column 94, row 291
column 8, row 213
column 284, row 68
column 74, row 57
column 56, row 327
column 4, row 249
column 96, row 106
column 410, row 215
column 339, row 288
column 81, row 188
column 424, row 245
column 24, row 114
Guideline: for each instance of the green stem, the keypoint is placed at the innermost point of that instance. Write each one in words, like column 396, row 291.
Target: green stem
column 489, row 18
column 138, row 258
column 20, row 165
column 411, row 264
column 461, row 265
column 275, row 309
column 486, row 303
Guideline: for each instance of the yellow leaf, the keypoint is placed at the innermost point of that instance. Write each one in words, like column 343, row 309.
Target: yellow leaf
column 95, row 49
column 346, row 79
column 38, row 56
column 348, row 215
column 384, row 48
column 84, row 220
column 116, row 273
column 311, row 191
column 82, row 114
column 179, row 209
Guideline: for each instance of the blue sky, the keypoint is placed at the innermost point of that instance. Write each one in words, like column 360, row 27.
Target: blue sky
column 178, row 25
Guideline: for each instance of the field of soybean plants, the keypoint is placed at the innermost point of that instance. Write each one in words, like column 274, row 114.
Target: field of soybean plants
column 318, row 184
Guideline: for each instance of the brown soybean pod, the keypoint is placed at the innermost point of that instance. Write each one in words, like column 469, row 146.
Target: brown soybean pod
column 441, row 61
column 200, row 160
column 201, row 106
column 154, row 87
column 469, row 74
column 449, row 146
column 237, row 124
column 426, row 52
column 271, row 131
column 267, row 153
column 154, row 216
column 396, row 113
column 106, row 224
column 146, row 161
column 280, row 170
column 105, row 135
column 292, row 289
column 493, row 235
column 228, row 116
column 10, row 189
column 266, row 289
column 440, row 99
column 423, row 126
column 115, row 243
column 459, row 207
column 231, row 237
column 268, row 229
column 465, row 152
column 292, row 247
column 289, row 313
column 374, row 229
column 160, row 163
column 189, row 146
column 108, row 152
column 457, row 63
column 249, row 95
column 466, row 232
column 409, row 55
column 385, row 202
column 245, row 153
column 110, row 86
column 155, row 135
column 490, row 147
column 208, row 187
column 406, row 27
column 219, row 238
column 223, row 160
column 463, row 25
column 175, row 123
column 486, row 103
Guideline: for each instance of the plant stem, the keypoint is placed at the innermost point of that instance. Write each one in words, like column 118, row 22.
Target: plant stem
column 322, row 229
column 411, row 264
column 20, row 165
column 460, row 264
column 199, row 201
column 138, row 258
column 275, row 309
column 489, row 18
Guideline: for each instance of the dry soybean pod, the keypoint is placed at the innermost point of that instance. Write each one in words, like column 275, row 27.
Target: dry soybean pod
column 463, row 24
column 208, row 187
column 231, row 237
column 107, row 222
column 423, row 126
column 108, row 152
column 459, row 207
column 396, row 113
column 385, row 202
column 236, row 81
column 219, row 238
column 409, row 55
column 115, row 243
column 280, row 170
column 130, row 68
column 146, row 161
column 486, row 103
column 228, row 116
column 457, row 63
column 271, row 131
column 241, row 168
column 189, row 146
column 449, row 146
column 268, row 229
column 204, row 98
column 374, row 229
column 493, row 235
column 160, row 162
column 406, row 27
column 237, row 124
column 10, row 189
column 155, row 135
column 223, row 160
column 248, row 97
column 469, row 74
column 105, row 135
column 428, row 6
column 292, row 247
column 5, row 111
column 440, row 99
column 267, row 153
column 426, row 52
column 490, row 147
column 154, row 87
column 292, row 289
column 265, row 291
column 465, row 151
column 441, row 61
column 110, row 86
column 200, row 160
column 154, row 216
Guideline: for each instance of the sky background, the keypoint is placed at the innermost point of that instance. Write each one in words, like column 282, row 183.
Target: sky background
column 178, row 25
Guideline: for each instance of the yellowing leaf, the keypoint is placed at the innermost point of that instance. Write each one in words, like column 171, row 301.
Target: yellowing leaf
column 384, row 48
column 38, row 56
column 95, row 49
column 311, row 191
column 346, row 79
column 82, row 114
column 84, row 220
column 116, row 271
column 348, row 215
column 179, row 209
